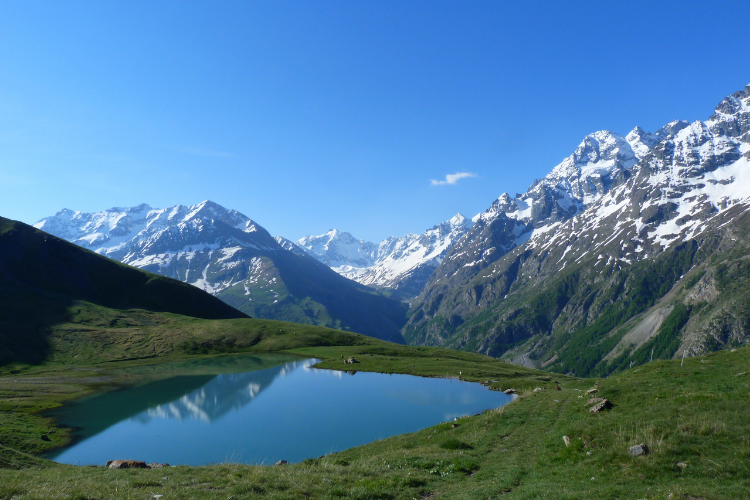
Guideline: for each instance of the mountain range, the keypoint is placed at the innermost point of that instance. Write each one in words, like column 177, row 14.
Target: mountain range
column 633, row 244
column 230, row 256
column 581, row 273
column 405, row 263
column 619, row 252
column 402, row 264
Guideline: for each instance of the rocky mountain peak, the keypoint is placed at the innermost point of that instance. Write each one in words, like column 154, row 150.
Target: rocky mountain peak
column 338, row 248
column 671, row 128
column 289, row 245
column 330, row 239
column 456, row 223
column 457, row 220
column 732, row 116
column 641, row 141
column 142, row 207
column 599, row 146
column 589, row 171
column 739, row 102
column 503, row 205
column 208, row 208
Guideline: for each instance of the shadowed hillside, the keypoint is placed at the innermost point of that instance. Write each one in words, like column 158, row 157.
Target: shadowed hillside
column 41, row 276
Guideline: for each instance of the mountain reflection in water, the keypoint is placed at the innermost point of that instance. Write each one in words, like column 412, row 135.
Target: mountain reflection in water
column 222, row 394
column 200, row 412
column 200, row 389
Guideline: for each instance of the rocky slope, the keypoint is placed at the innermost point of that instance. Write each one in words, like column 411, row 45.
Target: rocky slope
column 559, row 276
column 401, row 263
column 232, row 257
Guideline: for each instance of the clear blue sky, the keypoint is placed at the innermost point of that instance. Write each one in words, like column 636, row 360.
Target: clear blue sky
column 307, row 115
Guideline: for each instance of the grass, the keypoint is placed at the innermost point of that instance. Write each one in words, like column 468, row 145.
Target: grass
column 695, row 415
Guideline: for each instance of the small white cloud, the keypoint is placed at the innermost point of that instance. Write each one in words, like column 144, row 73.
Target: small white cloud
column 452, row 178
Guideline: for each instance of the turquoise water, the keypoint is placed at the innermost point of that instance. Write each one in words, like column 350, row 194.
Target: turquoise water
column 278, row 408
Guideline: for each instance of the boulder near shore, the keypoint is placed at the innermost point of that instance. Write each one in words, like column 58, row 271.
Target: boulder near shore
column 133, row 464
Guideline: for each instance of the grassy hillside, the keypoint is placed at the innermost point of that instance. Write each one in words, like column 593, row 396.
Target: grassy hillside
column 692, row 417
column 99, row 353
column 42, row 278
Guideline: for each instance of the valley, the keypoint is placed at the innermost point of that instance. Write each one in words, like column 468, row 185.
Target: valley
column 99, row 339
column 575, row 276
column 233, row 258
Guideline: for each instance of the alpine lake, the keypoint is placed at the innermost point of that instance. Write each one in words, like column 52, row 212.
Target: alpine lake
column 257, row 409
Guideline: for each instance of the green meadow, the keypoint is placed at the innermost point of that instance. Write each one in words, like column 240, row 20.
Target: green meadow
column 692, row 416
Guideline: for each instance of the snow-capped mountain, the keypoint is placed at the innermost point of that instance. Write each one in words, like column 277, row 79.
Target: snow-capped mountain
column 600, row 160
column 400, row 263
column 165, row 241
column 694, row 175
column 228, row 255
column 407, row 262
column 339, row 249
column 599, row 241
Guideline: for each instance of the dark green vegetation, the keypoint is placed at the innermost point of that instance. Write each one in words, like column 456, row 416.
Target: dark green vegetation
column 578, row 320
column 628, row 294
column 666, row 342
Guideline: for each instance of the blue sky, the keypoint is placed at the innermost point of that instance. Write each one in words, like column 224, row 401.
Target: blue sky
column 307, row 116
